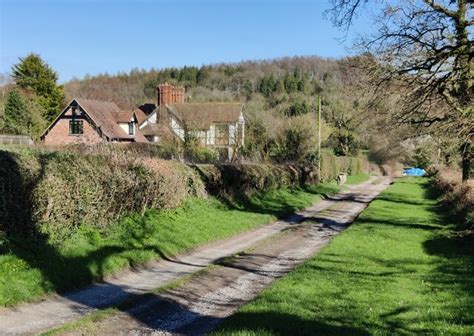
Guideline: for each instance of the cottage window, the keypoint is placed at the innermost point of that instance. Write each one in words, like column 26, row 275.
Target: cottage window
column 76, row 127
column 131, row 128
column 222, row 134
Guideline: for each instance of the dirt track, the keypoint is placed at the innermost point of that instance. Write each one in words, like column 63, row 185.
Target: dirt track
column 198, row 305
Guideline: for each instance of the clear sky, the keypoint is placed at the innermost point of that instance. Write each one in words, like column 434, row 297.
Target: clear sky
column 79, row 37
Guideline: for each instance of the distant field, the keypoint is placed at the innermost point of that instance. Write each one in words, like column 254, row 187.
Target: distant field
column 395, row 271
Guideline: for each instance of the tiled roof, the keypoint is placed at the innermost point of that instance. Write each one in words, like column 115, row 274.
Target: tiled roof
column 139, row 137
column 141, row 116
column 106, row 116
column 123, row 116
column 202, row 115
column 101, row 112
column 162, row 131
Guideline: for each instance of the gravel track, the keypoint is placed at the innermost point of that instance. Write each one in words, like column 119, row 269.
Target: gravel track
column 197, row 306
column 200, row 304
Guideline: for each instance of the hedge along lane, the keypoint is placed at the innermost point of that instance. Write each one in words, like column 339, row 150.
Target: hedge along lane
column 68, row 219
column 394, row 271
column 56, row 310
column 55, row 193
column 195, row 306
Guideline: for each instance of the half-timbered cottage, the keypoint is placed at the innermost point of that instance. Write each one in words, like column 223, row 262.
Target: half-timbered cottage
column 215, row 125
column 89, row 121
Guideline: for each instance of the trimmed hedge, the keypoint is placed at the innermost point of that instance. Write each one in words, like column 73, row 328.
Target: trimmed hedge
column 56, row 192
column 250, row 178
column 332, row 165
column 240, row 179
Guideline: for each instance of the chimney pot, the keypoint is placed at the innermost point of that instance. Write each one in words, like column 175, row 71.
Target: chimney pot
column 168, row 94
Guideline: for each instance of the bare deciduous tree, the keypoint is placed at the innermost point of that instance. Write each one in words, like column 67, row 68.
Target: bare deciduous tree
column 425, row 48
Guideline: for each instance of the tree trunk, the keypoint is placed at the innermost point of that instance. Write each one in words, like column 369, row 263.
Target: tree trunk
column 464, row 90
column 466, row 157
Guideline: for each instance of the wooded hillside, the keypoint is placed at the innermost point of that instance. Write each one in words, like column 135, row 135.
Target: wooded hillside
column 279, row 95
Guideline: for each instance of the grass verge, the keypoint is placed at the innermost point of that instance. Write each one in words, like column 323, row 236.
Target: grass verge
column 357, row 178
column 395, row 271
column 31, row 267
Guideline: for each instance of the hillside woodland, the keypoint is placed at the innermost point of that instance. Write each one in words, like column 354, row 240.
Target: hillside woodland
column 280, row 99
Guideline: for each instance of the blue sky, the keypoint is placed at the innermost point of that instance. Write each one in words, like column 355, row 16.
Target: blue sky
column 79, row 37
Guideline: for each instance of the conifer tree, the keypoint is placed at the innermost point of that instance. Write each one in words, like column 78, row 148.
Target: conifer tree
column 17, row 120
column 34, row 74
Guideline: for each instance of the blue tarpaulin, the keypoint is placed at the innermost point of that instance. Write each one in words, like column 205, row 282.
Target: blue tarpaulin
column 414, row 172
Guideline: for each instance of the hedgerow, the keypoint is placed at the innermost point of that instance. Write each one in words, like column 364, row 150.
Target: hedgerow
column 332, row 165
column 457, row 198
column 249, row 178
column 56, row 192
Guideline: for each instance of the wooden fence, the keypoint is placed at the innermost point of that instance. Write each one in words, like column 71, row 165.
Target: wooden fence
column 7, row 139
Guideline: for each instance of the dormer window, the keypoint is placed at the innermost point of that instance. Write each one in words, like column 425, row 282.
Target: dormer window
column 131, row 128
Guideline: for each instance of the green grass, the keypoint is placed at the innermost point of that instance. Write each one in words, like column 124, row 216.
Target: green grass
column 395, row 271
column 32, row 267
column 357, row 178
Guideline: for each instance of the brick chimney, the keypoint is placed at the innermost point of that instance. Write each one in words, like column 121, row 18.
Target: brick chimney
column 169, row 94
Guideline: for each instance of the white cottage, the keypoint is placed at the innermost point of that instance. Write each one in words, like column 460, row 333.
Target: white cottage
column 216, row 125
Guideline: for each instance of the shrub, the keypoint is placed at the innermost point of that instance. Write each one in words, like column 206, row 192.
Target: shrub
column 299, row 107
column 250, row 178
column 246, row 179
column 56, row 192
column 200, row 154
column 344, row 143
column 332, row 165
column 392, row 168
column 457, row 198
column 59, row 192
column 375, row 169
column 165, row 150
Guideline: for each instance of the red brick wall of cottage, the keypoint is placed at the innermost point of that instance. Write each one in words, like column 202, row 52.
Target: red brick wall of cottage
column 59, row 133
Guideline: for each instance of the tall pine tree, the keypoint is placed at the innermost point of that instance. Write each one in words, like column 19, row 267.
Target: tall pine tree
column 34, row 74
column 17, row 120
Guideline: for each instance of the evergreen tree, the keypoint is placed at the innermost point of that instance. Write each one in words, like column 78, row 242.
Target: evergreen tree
column 188, row 76
column 264, row 86
column 272, row 83
column 291, row 84
column 299, row 107
column 247, row 88
column 202, row 74
column 303, row 84
column 280, row 86
column 17, row 120
column 34, row 74
column 174, row 73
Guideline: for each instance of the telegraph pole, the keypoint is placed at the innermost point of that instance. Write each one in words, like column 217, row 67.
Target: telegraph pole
column 319, row 138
